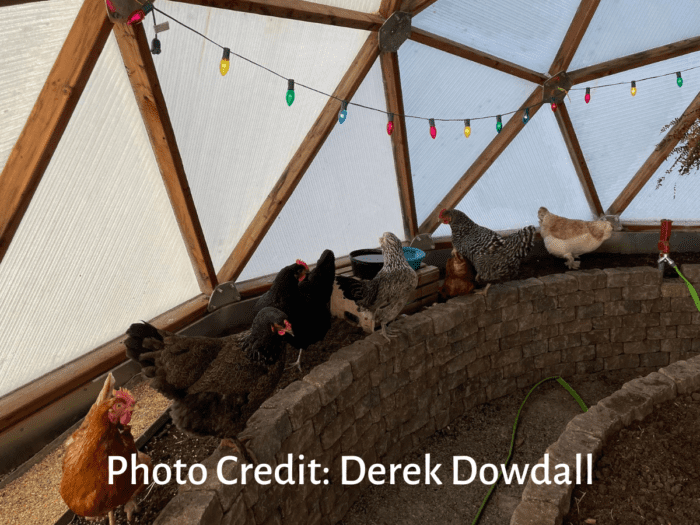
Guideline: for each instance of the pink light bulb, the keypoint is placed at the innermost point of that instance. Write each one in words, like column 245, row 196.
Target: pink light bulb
column 433, row 131
column 389, row 127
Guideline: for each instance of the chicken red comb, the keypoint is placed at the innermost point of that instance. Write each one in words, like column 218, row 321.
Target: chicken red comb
column 287, row 325
column 299, row 261
column 125, row 395
column 442, row 211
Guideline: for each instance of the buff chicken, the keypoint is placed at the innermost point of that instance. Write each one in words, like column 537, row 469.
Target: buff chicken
column 570, row 238
column 459, row 278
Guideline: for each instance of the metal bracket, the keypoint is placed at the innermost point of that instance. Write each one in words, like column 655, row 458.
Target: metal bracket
column 423, row 242
column 223, row 294
column 614, row 220
column 395, row 31
column 556, row 87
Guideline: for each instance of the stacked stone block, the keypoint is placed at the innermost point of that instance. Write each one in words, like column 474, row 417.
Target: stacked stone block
column 378, row 400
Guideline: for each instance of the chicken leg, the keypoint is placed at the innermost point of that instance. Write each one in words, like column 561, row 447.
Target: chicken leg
column 570, row 262
column 483, row 291
column 296, row 363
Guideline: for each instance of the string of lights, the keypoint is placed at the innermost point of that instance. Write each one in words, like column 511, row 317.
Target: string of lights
column 343, row 113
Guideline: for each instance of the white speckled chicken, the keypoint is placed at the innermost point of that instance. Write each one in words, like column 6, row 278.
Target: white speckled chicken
column 569, row 238
column 389, row 291
column 495, row 258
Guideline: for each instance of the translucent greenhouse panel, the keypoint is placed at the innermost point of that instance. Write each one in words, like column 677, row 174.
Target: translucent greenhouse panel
column 31, row 35
column 99, row 247
column 535, row 170
column 440, row 85
column 364, row 6
column 677, row 198
column 623, row 27
column 236, row 133
column 617, row 131
column 526, row 33
column 347, row 198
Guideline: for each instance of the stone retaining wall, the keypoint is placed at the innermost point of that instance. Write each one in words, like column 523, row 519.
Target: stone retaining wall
column 379, row 400
column 588, row 433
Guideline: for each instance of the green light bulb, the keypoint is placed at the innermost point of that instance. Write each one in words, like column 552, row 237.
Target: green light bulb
column 290, row 92
column 679, row 80
column 499, row 124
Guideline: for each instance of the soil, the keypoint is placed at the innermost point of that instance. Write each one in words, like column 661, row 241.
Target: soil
column 649, row 473
column 484, row 434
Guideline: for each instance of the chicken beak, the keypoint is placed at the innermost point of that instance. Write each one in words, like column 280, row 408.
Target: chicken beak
column 289, row 331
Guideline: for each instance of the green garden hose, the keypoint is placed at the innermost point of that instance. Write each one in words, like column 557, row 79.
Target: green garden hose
column 515, row 426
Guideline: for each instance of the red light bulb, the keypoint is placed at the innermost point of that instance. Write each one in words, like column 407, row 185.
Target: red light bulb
column 587, row 98
column 389, row 127
column 433, row 130
column 554, row 105
column 135, row 17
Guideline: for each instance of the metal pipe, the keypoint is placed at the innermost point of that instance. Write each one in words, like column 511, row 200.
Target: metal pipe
column 664, row 246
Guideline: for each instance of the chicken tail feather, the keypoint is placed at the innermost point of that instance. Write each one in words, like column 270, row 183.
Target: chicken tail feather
column 352, row 288
column 522, row 241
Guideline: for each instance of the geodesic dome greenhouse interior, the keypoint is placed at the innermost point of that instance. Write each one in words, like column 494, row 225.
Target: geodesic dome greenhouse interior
column 133, row 183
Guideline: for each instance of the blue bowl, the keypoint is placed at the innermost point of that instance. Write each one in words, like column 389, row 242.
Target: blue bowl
column 414, row 256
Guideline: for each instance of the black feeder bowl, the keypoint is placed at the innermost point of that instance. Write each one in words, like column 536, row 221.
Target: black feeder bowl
column 366, row 263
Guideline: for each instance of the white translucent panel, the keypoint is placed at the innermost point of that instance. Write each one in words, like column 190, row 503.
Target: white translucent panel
column 99, row 247
column 364, row 6
column 347, row 198
column 623, row 27
column 617, row 132
column 440, row 85
column 535, row 170
column 676, row 198
column 236, row 133
column 31, row 35
column 526, row 33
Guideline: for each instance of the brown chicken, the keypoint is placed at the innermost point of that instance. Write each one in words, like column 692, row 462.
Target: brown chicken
column 105, row 432
column 569, row 238
column 459, row 279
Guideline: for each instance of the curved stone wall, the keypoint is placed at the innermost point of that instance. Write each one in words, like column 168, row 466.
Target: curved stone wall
column 378, row 400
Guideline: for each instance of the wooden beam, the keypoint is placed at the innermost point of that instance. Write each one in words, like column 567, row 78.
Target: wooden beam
column 584, row 176
column 484, row 161
column 136, row 54
column 399, row 142
column 48, row 120
column 300, row 162
column 388, row 7
column 644, row 58
column 43, row 391
column 462, row 51
column 299, row 10
column 577, row 29
column 662, row 151
column 415, row 6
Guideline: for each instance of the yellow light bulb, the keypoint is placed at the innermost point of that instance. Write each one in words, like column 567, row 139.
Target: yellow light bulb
column 225, row 63
column 467, row 128
column 633, row 91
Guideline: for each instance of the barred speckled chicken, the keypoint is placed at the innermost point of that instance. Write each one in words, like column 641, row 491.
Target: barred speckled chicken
column 495, row 258
column 389, row 291
column 216, row 383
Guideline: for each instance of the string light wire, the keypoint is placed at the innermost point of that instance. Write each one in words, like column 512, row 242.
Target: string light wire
column 386, row 112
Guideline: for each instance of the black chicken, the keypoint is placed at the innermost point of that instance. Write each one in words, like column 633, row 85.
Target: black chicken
column 495, row 258
column 216, row 383
column 389, row 291
column 308, row 304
